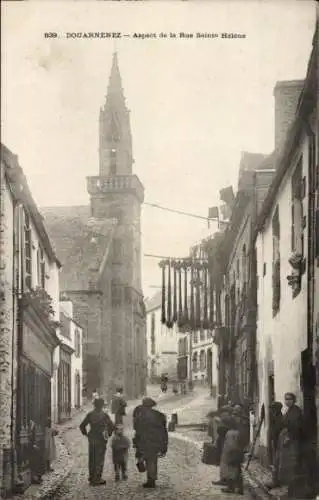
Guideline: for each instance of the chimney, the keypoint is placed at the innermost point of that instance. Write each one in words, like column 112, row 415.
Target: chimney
column 286, row 95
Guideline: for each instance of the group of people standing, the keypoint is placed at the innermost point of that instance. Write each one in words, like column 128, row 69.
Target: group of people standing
column 230, row 436
column 293, row 464
column 150, row 439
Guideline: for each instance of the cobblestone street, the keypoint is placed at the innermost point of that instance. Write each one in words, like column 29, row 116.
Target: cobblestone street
column 181, row 473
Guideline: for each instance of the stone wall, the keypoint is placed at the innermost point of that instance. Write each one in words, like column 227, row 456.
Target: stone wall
column 6, row 331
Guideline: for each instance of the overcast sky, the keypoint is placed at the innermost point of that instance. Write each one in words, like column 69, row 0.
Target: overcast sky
column 195, row 103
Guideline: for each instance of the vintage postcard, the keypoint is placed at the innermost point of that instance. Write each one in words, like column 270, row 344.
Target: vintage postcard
column 159, row 249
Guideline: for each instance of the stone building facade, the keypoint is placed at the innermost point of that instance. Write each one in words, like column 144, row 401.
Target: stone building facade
column 236, row 334
column 76, row 341
column 71, row 363
column 29, row 311
column 161, row 342
column 286, row 256
column 100, row 249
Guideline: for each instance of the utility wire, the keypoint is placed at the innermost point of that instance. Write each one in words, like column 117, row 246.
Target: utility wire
column 156, row 205
column 170, row 258
column 181, row 212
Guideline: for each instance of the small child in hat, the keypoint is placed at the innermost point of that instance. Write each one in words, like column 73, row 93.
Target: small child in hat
column 120, row 447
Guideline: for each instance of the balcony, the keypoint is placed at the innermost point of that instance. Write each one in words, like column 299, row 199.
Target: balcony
column 116, row 184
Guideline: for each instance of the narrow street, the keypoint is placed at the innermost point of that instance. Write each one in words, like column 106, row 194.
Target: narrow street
column 181, row 473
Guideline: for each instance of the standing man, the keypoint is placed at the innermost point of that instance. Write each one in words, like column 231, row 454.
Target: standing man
column 101, row 428
column 118, row 407
column 151, row 438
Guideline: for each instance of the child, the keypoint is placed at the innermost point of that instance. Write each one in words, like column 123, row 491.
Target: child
column 120, row 447
column 50, row 450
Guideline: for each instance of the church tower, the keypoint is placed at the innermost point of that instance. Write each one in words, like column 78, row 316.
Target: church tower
column 117, row 193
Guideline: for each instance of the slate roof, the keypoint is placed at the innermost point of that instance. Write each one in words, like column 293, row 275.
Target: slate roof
column 21, row 191
column 80, row 242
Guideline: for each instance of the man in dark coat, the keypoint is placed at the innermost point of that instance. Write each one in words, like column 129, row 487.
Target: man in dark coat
column 118, row 406
column 151, row 437
column 101, row 427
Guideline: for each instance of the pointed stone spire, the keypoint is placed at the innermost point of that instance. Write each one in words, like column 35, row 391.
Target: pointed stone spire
column 115, row 144
column 115, row 89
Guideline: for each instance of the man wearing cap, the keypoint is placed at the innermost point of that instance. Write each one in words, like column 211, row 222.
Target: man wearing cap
column 151, row 437
column 101, row 427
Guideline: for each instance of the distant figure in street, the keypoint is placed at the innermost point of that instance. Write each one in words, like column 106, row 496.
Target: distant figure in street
column 151, row 438
column 101, row 428
column 232, row 459
column 290, row 445
column 118, row 406
column 49, row 445
column 164, row 382
column 120, row 447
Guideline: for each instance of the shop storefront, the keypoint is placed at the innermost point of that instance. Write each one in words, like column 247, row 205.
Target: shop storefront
column 64, row 383
column 37, row 341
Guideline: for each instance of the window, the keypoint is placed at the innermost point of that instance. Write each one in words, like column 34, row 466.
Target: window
column 181, row 347
column 202, row 335
column 116, row 294
column 297, row 190
column 117, row 250
column 153, row 333
column 195, row 337
column 202, row 361
column 276, row 263
column 115, row 213
column 41, row 267
column 27, row 251
column 185, row 345
column 113, row 158
column 195, row 362
column 77, row 343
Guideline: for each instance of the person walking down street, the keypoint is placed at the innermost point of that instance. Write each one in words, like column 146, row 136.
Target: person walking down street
column 49, row 445
column 222, row 422
column 101, row 428
column 118, row 406
column 232, row 458
column 289, row 459
column 164, row 382
column 151, row 438
column 120, row 447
